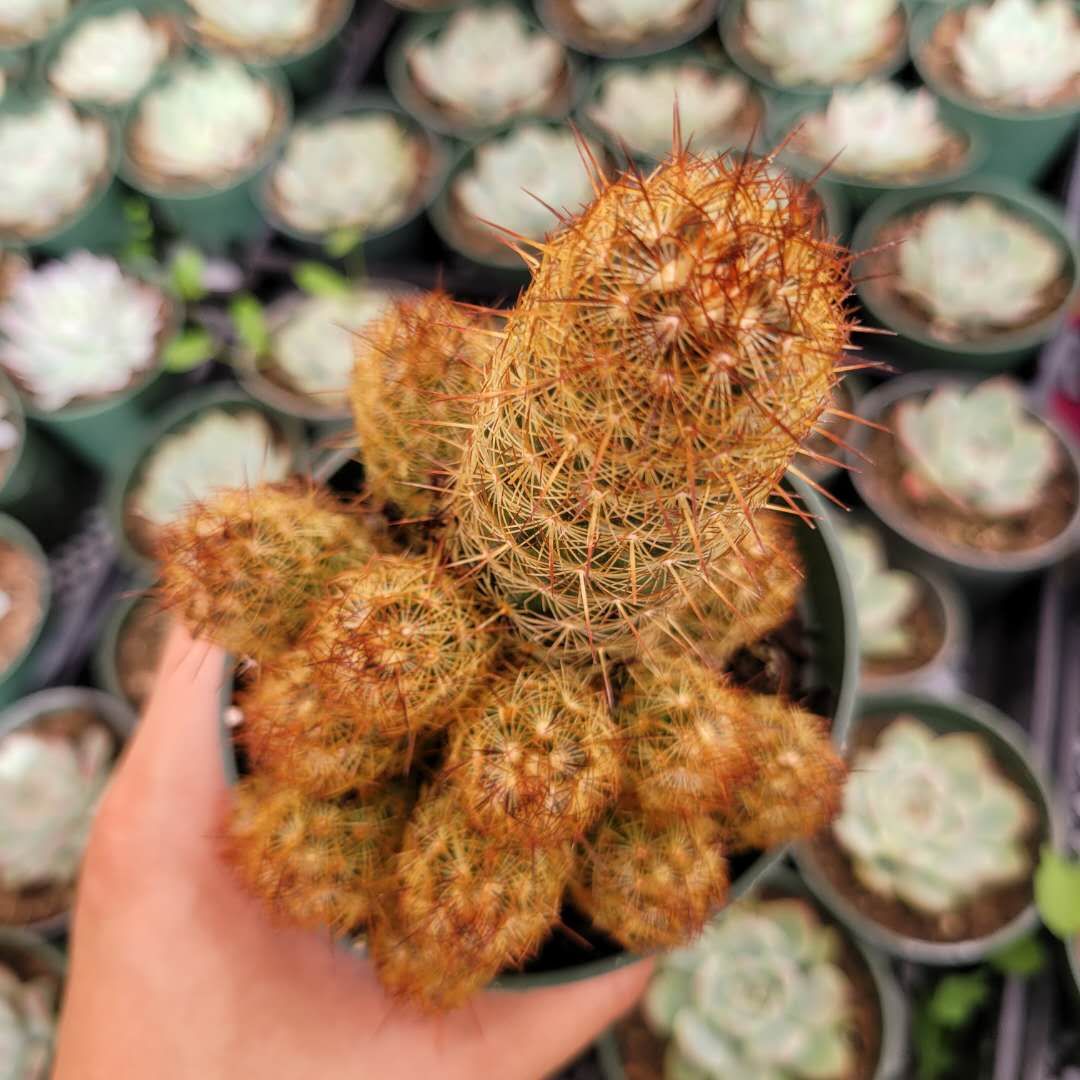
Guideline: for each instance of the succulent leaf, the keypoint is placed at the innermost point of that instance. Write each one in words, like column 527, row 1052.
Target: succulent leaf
column 631, row 20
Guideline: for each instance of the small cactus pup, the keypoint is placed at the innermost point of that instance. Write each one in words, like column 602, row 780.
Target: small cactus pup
column 608, row 465
column 760, row 993
column 25, row 22
column 30, row 982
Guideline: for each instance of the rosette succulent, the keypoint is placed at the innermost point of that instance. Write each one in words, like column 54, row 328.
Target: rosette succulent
column 268, row 26
column 488, row 64
column 109, row 58
column 760, row 994
column 25, row 21
column 883, row 597
column 358, row 171
column 62, row 158
column 79, row 328
column 515, row 179
column 974, row 265
column 27, row 1025
column 637, row 105
column 49, row 790
column 1020, row 53
column 631, row 20
column 218, row 449
column 819, row 41
column 208, row 121
column 929, row 821
column 980, row 451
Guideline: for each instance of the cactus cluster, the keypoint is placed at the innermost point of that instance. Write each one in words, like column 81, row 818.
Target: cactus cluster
column 561, row 480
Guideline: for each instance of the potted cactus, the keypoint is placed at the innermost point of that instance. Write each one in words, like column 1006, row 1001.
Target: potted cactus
column 63, row 195
column 299, row 36
column 623, row 28
column 26, row 606
column 354, row 172
column 772, row 987
column 1009, row 69
column 879, row 137
column 631, row 105
column 88, row 376
column 806, row 47
column 31, row 981
column 932, row 856
column 475, row 70
column 126, row 658
column 985, row 274
column 196, row 140
column 974, row 480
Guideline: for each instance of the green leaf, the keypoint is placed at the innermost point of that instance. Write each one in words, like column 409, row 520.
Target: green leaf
column 249, row 322
column 188, row 350
column 186, row 273
column 933, row 1051
column 1057, row 893
column 341, row 241
column 957, row 998
column 319, row 280
column 1023, row 958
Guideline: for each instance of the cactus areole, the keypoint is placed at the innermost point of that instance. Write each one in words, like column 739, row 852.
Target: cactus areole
column 456, row 723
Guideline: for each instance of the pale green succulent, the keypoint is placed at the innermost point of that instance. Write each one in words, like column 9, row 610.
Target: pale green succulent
column 25, row 21
column 928, row 820
column 61, row 159
column 313, row 349
column 510, row 174
column 974, row 265
column 208, row 120
column 219, row 449
column 1019, row 52
column 356, row 171
column 269, row 26
column 49, row 790
column 981, row 451
column 631, row 20
column 877, row 130
column 883, row 597
column 758, row 996
column 488, row 64
column 637, row 106
column 27, row 1025
column 109, row 58
column 819, row 41
column 79, row 328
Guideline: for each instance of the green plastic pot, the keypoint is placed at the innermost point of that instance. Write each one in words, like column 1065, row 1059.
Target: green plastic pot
column 381, row 243
column 21, row 675
column 1009, row 744
column 892, row 1004
column 103, row 662
column 1020, row 143
column 115, row 714
column 212, row 217
column 914, row 347
column 983, row 576
column 30, row 956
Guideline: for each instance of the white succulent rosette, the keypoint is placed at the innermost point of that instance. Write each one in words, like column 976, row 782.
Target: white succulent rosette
column 218, row 449
column 356, row 171
column 79, row 329
column 637, row 105
column 631, row 20
column 27, row 1025
column 268, row 27
column 23, row 22
column 928, row 820
column 56, row 159
column 109, row 58
column 818, row 41
column 487, row 63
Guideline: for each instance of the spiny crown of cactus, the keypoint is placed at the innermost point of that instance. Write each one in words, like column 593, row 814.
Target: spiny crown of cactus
column 929, row 820
column 27, row 1025
column 759, row 993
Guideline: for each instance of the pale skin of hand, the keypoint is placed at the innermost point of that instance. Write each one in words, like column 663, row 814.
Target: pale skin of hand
column 177, row 974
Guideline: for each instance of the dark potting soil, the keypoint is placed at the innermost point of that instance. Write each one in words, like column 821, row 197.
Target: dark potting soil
column 138, row 649
column 21, row 580
column 945, row 521
column 925, row 626
column 989, row 911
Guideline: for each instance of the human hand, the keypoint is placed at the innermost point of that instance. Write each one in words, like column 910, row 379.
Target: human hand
column 177, row 974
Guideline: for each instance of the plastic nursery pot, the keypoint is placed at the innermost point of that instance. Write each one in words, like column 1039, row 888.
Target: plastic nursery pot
column 983, row 575
column 113, row 713
column 915, row 346
column 177, row 416
column 561, row 21
column 21, row 676
column 892, row 1008
column 29, row 956
column 383, row 243
column 429, row 113
column 813, row 94
column 212, row 216
column 308, row 67
column 105, row 662
column 1020, row 143
column 1009, row 746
